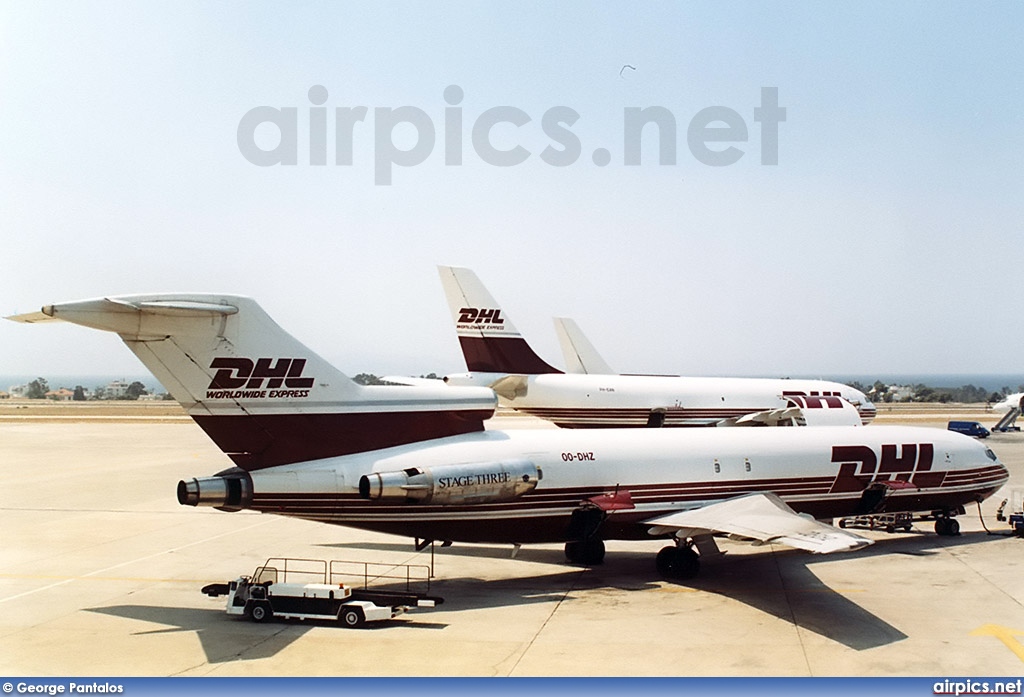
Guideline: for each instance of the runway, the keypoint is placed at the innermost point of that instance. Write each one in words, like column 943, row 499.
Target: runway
column 101, row 571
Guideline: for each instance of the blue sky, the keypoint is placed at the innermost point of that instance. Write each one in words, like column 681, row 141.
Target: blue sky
column 886, row 240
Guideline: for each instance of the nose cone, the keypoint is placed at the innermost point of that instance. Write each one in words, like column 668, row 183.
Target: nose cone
column 864, row 406
column 867, row 411
column 993, row 474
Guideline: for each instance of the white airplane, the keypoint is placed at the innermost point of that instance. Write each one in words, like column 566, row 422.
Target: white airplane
column 1011, row 401
column 592, row 395
column 1013, row 405
column 308, row 442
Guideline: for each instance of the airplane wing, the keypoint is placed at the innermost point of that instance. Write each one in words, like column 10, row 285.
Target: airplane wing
column 772, row 417
column 763, row 518
column 804, row 411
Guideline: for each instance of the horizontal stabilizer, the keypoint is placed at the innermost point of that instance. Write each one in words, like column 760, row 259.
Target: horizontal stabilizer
column 32, row 318
column 411, row 381
column 764, row 518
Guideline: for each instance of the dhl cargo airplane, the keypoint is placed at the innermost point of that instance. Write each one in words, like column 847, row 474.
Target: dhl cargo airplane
column 591, row 395
column 306, row 441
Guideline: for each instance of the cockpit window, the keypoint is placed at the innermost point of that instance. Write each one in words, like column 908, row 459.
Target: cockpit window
column 991, row 455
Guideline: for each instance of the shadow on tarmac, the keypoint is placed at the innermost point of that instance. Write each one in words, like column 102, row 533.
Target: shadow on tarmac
column 779, row 582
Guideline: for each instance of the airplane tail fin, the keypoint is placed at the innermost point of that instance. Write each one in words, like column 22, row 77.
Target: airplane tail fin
column 580, row 354
column 262, row 396
column 489, row 340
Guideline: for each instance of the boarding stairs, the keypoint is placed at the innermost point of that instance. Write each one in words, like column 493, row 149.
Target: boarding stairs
column 1007, row 422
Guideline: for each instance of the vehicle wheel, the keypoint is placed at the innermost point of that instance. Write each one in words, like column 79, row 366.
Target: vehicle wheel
column 261, row 612
column 678, row 562
column 573, row 552
column 352, row 617
column 954, row 527
column 890, row 528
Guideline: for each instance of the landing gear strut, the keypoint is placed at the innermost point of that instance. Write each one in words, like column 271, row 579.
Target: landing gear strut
column 678, row 562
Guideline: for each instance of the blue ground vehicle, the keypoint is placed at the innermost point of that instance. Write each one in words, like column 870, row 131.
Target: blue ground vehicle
column 969, row 428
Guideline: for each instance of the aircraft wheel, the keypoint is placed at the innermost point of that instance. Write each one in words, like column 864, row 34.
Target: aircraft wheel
column 261, row 612
column 594, row 551
column 352, row 617
column 678, row 562
column 947, row 527
column 587, row 552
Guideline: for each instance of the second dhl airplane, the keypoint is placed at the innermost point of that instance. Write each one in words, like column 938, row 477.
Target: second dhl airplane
column 308, row 442
column 497, row 356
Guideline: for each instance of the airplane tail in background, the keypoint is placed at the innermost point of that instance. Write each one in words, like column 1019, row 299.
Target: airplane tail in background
column 580, row 355
column 262, row 396
column 489, row 340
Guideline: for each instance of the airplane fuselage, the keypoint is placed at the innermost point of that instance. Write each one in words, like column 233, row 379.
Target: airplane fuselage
column 591, row 401
column 823, row 472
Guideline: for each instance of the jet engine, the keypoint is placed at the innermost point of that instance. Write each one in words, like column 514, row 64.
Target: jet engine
column 471, row 483
column 230, row 490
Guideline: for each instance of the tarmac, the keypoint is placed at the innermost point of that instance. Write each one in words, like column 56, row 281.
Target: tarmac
column 101, row 570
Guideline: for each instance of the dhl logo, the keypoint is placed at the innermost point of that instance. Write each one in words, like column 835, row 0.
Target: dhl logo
column 816, row 402
column 235, row 373
column 813, row 397
column 860, row 465
column 473, row 315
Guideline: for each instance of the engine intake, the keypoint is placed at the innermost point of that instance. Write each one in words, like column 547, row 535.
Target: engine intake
column 473, row 483
column 229, row 493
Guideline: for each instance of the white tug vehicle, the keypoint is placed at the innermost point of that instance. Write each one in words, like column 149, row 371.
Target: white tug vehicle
column 309, row 589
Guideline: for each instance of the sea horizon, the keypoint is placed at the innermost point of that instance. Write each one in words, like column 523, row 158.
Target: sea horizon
column 992, row 382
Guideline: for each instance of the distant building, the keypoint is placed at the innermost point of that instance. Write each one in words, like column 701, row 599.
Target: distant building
column 18, row 390
column 61, row 395
column 117, row 389
column 902, row 393
column 5, row 395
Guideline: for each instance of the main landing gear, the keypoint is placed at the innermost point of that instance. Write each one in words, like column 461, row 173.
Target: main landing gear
column 946, row 526
column 678, row 562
